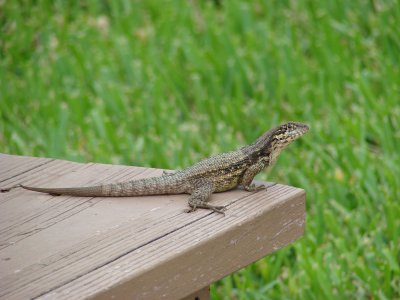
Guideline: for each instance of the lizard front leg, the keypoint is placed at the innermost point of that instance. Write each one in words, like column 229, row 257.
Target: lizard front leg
column 249, row 175
column 201, row 195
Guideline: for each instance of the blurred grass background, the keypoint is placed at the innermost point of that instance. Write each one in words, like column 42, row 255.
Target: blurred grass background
column 166, row 83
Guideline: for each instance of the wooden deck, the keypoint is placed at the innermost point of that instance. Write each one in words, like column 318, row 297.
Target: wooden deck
column 129, row 248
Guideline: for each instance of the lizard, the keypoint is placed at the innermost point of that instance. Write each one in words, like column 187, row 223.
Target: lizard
column 218, row 173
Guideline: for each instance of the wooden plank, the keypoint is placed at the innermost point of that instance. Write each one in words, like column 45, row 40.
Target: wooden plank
column 11, row 165
column 21, row 216
column 136, row 247
column 203, row 294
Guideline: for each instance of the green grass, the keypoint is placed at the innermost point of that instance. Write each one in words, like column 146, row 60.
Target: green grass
column 166, row 83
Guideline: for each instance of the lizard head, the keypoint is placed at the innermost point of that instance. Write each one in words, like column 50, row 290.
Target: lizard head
column 271, row 143
column 286, row 133
column 268, row 146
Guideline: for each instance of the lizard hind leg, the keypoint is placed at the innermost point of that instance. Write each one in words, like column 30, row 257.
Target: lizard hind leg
column 200, row 196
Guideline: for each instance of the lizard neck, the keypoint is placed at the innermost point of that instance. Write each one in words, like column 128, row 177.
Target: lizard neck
column 265, row 149
column 258, row 154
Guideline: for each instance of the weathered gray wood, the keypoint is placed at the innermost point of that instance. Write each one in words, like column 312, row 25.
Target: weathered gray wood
column 137, row 247
column 14, row 165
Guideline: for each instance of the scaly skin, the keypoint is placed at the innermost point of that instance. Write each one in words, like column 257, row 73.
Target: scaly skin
column 218, row 173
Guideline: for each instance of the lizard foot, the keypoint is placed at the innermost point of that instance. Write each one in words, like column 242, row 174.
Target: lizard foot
column 217, row 209
column 253, row 187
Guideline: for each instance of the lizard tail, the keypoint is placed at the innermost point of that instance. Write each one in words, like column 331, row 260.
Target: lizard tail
column 141, row 187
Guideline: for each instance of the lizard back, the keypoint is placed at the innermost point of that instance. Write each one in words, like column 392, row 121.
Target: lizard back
column 224, row 170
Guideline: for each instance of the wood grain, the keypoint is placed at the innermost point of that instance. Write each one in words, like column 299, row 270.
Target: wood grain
column 137, row 247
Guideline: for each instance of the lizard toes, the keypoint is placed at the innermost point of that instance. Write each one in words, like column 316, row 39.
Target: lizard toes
column 218, row 209
column 253, row 187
